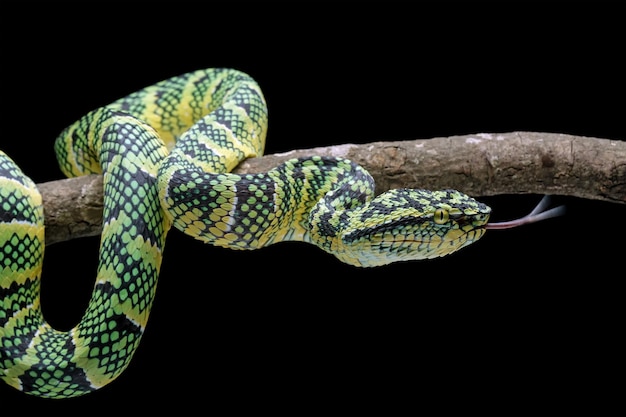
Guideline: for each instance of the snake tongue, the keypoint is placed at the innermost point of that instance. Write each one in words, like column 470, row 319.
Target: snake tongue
column 537, row 214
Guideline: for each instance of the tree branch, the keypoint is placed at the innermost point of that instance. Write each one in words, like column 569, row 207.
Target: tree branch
column 479, row 165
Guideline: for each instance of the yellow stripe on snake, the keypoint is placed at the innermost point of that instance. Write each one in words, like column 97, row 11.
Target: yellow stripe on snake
column 165, row 153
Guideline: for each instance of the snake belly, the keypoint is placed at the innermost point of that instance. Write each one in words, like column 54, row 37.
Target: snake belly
column 165, row 153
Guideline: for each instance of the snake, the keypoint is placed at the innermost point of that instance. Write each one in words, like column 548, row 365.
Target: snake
column 166, row 154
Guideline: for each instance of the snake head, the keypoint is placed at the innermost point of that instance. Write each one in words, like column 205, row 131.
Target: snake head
column 411, row 224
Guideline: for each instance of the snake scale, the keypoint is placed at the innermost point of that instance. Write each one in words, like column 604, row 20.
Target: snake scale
column 165, row 153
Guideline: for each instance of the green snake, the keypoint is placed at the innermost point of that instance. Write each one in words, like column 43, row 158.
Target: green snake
column 165, row 153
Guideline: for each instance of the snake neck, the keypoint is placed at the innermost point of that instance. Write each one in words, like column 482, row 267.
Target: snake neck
column 255, row 210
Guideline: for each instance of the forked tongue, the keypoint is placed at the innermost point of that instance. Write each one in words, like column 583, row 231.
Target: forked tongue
column 536, row 215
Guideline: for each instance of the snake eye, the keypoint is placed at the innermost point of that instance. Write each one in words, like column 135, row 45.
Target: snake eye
column 440, row 216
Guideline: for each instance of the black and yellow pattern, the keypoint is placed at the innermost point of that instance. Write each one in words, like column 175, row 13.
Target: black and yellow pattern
column 165, row 153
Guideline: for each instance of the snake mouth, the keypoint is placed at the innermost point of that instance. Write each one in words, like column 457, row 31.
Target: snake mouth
column 438, row 245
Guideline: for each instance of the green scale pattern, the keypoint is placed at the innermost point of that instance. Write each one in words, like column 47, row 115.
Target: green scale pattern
column 166, row 153
column 126, row 141
column 99, row 348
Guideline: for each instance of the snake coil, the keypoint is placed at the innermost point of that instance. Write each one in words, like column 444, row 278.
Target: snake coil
column 165, row 153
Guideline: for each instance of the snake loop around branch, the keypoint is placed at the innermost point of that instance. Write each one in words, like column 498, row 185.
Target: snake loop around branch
column 166, row 153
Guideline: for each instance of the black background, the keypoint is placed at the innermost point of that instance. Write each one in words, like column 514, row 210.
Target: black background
column 524, row 322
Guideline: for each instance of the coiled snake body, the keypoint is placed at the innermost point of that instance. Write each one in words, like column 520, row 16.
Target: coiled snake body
column 165, row 153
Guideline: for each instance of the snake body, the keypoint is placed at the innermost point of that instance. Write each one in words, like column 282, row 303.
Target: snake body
column 165, row 153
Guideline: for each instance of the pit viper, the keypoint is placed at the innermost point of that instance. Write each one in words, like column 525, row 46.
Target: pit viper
column 165, row 153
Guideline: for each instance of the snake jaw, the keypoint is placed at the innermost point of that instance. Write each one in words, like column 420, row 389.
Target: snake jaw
column 378, row 251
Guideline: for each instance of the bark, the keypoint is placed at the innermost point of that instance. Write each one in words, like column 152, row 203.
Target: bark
column 480, row 165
